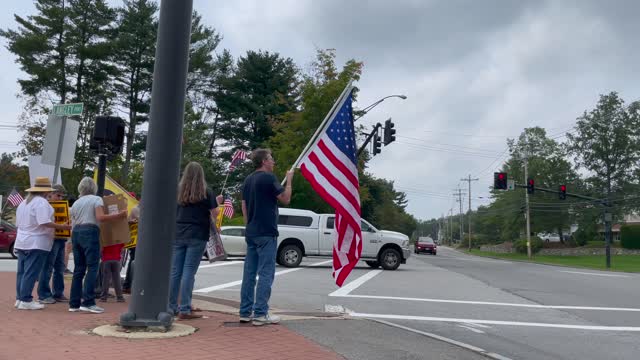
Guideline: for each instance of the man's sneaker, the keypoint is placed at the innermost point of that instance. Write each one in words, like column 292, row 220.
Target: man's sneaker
column 17, row 304
column 245, row 319
column 48, row 300
column 61, row 299
column 32, row 305
column 265, row 320
column 95, row 309
column 74, row 309
column 120, row 299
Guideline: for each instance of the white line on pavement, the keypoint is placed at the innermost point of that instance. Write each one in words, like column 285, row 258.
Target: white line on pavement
column 238, row 282
column 478, row 325
column 472, row 329
column 496, row 322
column 345, row 290
column 447, row 340
column 535, row 306
column 595, row 274
column 220, row 264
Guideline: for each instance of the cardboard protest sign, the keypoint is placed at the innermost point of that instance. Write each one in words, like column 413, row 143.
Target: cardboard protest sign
column 61, row 216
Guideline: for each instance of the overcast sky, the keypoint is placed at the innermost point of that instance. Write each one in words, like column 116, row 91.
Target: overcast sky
column 474, row 72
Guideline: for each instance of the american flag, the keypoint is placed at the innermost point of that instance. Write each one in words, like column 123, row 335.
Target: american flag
column 15, row 198
column 330, row 166
column 228, row 208
column 237, row 158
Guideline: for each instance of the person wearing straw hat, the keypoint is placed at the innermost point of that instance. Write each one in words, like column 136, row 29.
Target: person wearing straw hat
column 34, row 218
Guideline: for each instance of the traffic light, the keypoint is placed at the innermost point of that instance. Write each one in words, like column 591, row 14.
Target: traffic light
column 500, row 181
column 389, row 132
column 377, row 146
column 563, row 192
column 530, row 186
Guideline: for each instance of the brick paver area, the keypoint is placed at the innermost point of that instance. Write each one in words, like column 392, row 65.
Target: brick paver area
column 55, row 333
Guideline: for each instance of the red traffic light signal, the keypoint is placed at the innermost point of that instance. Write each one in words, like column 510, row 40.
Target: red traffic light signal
column 500, row 181
column 530, row 186
column 563, row 192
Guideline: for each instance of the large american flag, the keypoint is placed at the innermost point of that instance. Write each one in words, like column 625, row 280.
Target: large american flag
column 330, row 165
column 228, row 208
column 15, row 198
column 237, row 158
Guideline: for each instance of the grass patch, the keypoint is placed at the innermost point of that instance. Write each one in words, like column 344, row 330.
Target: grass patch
column 629, row 263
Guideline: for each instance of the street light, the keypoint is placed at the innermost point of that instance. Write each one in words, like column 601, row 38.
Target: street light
column 368, row 108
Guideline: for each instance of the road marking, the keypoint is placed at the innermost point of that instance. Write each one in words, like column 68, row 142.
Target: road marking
column 225, row 263
column 478, row 325
column 239, row 282
column 472, row 329
column 345, row 290
column 595, row 274
column 535, row 306
column 496, row 322
column 447, row 340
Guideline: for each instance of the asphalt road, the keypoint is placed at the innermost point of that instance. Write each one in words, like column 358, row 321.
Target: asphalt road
column 440, row 307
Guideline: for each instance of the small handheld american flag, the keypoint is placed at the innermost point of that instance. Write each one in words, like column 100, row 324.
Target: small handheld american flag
column 15, row 198
column 237, row 158
column 228, row 208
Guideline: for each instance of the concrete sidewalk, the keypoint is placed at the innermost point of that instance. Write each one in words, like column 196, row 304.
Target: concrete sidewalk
column 55, row 333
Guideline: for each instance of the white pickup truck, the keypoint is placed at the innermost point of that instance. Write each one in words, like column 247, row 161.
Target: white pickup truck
column 305, row 233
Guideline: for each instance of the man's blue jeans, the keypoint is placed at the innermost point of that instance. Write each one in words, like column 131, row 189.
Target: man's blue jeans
column 54, row 264
column 86, row 259
column 260, row 260
column 30, row 263
column 187, row 255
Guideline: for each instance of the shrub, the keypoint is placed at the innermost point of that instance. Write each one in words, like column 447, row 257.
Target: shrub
column 630, row 236
column 521, row 245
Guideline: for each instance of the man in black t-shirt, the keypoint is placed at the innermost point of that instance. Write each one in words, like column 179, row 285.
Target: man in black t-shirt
column 260, row 194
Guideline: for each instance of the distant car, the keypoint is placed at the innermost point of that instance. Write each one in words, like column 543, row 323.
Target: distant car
column 8, row 234
column 426, row 244
column 549, row 237
column 233, row 240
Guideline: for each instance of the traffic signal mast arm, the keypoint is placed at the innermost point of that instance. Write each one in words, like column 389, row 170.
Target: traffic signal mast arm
column 373, row 133
column 558, row 192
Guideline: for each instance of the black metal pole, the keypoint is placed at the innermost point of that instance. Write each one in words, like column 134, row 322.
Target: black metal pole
column 150, row 291
column 102, row 172
column 368, row 139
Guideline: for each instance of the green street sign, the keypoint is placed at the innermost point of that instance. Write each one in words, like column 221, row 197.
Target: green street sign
column 68, row 109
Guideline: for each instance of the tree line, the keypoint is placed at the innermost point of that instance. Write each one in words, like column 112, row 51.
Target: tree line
column 103, row 56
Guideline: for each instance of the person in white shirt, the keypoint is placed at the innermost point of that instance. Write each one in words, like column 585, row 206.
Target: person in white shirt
column 86, row 214
column 34, row 218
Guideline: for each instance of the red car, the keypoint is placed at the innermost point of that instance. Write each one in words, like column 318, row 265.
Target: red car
column 426, row 244
column 8, row 234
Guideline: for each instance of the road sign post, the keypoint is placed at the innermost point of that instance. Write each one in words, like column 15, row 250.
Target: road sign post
column 63, row 110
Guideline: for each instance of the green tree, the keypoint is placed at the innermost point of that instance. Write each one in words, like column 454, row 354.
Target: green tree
column 606, row 143
column 134, row 49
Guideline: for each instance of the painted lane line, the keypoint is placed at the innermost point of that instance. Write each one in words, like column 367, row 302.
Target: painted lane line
column 447, row 340
column 477, row 325
column 472, row 329
column 534, row 306
column 345, row 290
column 239, row 282
column 496, row 322
column 594, row 274
column 220, row 264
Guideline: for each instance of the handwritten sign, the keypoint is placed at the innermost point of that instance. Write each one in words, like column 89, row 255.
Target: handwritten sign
column 133, row 236
column 61, row 216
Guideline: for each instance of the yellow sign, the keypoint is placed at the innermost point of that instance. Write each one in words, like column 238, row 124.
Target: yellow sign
column 113, row 188
column 133, row 236
column 61, row 216
column 220, row 216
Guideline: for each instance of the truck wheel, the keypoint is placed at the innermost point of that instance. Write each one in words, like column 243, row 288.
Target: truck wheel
column 390, row 259
column 373, row 264
column 290, row 256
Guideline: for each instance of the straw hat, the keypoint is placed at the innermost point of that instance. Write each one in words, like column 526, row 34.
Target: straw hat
column 42, row 184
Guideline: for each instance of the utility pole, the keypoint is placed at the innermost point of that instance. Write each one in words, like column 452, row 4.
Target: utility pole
column 469, row 180
column 459, row 194
column 526, row 193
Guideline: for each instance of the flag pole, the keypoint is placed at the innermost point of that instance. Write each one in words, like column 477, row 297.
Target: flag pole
column 340, row 99
column 225, row 182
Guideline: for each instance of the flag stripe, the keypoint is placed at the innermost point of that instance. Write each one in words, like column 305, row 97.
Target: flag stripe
column 328, row 192
column 328, row 174
column 339, row 160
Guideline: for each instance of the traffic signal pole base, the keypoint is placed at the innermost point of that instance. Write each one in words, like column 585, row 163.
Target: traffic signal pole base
column 163, row 321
